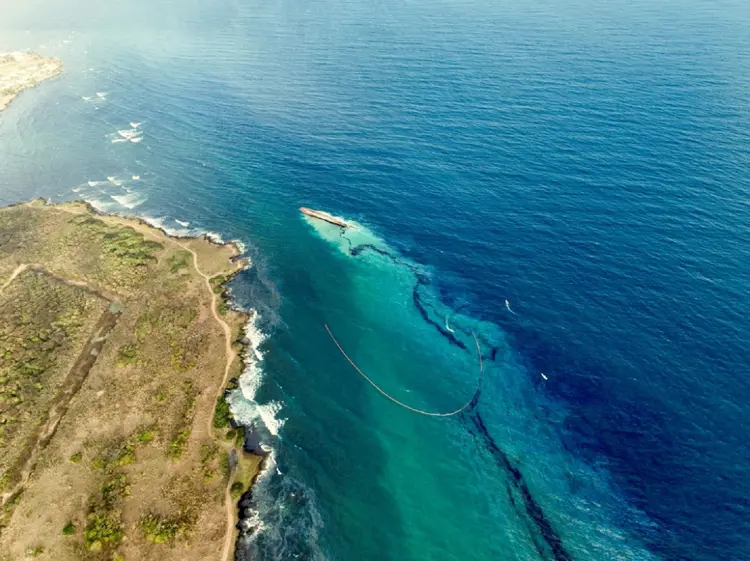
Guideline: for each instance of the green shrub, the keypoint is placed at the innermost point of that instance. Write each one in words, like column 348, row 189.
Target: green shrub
column 102, row 528
column 240, row 440
column 69, row 529
column 179, row 261
column 159, row 529
column 146, row 435
column 217, row 283
column 236, row 490
column 177, row 446
column 224, row 465
column 127, row 355
column 76, row 458
column 122, row 454
column 222, row 414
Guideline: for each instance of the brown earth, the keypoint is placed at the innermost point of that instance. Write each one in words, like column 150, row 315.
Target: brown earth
column 115, row 347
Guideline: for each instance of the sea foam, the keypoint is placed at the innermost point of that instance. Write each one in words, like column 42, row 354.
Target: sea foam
column 131, row 200
column 243, row 402
column 128, row 133
column 280, row 517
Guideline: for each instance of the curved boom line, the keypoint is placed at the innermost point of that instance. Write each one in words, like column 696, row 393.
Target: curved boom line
column 401, row 403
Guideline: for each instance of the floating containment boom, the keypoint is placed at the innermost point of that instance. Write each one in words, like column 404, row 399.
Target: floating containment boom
column 322, row 215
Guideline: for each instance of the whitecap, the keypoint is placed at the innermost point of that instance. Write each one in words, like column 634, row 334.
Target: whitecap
column 130, row 200
column 102, row 206
column 135, row 125
column 136, row 177
column 256, row 336
column 100, row 95
column 118, row 140
column 136, row 139
column 161, row 223
column 240, row 246
column 243, row 402
column 181, row 223
column 214, row 237
column 128, row 133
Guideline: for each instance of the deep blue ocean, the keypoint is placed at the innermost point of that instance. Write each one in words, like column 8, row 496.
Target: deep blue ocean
column 569, row 181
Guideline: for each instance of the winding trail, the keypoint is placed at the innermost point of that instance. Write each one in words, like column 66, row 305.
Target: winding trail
column 147, row 230
column 20, row 269
column 231, row 355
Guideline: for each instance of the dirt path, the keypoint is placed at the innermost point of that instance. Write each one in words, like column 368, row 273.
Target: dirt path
column 20, row 269
column 230, row 357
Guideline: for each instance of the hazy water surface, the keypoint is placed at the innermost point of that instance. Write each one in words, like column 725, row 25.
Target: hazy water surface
column 587, row 163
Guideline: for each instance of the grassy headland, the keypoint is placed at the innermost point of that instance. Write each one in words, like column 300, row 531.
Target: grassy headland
column 20, row 70
column 116, row 344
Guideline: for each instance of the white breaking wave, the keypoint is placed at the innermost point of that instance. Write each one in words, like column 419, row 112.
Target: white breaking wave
column 243, row 402
column 95, row 183
column 136, row 139
column 293, row 522
column 101, row 95
column 102, row 206
column 249, row 413
column 214, row 237
column 256, row 336
column 130, row 200
column 136, row 177
column 241, row 246
column 161, row 223
column 128, row 133
column 181, row 223
column 118, row 140
column 218, row 239
column 254, row 524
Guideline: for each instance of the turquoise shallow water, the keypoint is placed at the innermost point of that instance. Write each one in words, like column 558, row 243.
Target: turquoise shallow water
column 587, row 163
